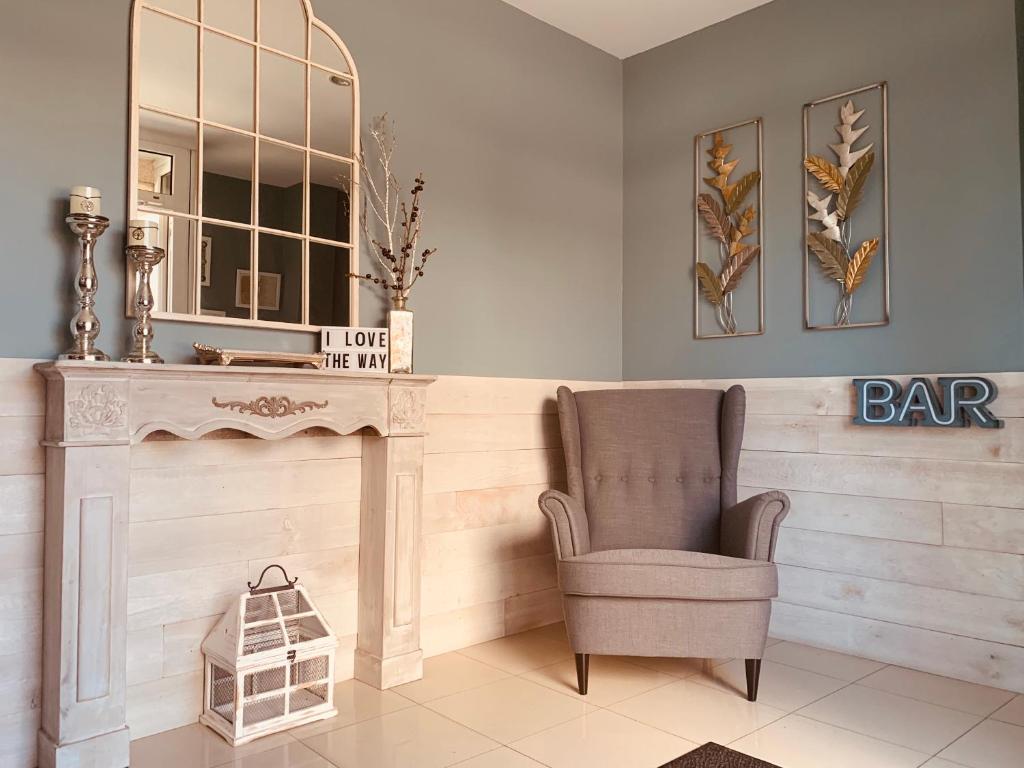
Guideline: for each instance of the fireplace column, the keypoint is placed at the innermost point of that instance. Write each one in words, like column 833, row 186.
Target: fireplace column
column 85, row 574
column 388, row 646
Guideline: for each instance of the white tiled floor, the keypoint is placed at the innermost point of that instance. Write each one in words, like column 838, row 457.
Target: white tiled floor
column 512, row 703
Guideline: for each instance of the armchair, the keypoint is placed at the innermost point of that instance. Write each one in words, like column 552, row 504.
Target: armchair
column 655, row 556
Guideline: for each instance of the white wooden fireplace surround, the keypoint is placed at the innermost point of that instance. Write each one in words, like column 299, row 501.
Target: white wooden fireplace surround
column 96, row 412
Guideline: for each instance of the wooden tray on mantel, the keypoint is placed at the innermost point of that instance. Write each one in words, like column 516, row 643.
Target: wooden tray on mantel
column 207, row 355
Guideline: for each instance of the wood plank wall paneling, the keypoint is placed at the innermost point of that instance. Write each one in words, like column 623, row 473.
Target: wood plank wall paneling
column 902, row 545
column 21, row 552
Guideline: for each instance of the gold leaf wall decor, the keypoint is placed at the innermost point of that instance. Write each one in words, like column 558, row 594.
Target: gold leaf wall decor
column 828, row 174
column 859, row 264
column 735, row 197
column 831, row 255
column 726, row 220
column 738, row 263
column 719, row 225
column 709, row 284
column 853, row 186
column 834, row 191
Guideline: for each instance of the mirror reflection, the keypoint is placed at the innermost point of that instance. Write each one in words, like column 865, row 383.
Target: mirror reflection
column 281, row 174
column 330, row 127
column 328, row 286
column 228, row 81
column 235, row 16
column 224, row 251
column 284, row 116
column 330, row 211
column 168, row 59
column 245, row 173
column 279, row 292
column 283, row 26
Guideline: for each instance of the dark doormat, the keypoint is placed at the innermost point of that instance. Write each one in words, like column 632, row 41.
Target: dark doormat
column 712, row 755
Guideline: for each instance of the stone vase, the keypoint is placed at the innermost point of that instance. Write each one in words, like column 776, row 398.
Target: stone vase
column 400, row 336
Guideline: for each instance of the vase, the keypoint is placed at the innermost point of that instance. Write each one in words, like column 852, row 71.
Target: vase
column 399, row 336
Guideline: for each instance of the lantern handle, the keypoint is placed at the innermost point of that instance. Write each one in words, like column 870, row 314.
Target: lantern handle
column 254, row 589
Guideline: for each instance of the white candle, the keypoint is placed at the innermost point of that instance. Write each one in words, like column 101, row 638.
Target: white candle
column 143, row 232
column 86, row 200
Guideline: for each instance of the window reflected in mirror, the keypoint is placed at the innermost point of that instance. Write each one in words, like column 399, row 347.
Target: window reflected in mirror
column 243, row 154
column 172, row 289
column 166, row 162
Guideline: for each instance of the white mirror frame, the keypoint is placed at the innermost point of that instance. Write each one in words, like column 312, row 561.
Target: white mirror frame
column 135, row 211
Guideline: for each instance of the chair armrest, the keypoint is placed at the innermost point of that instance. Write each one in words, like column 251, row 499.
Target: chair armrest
column 750, row 528
column 569, row 525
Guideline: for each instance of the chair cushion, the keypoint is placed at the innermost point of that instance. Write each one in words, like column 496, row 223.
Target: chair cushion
column 667, row 573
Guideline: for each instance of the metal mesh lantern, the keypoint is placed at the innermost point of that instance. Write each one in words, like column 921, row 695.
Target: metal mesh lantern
column 269, row 664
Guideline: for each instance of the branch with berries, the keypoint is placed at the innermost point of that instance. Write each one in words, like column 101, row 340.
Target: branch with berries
column 400, row 262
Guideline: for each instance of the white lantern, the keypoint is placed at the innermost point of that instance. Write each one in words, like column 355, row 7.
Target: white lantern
column 269, row 664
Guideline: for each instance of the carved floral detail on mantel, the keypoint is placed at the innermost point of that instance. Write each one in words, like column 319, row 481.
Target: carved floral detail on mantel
column 97, row 406
column 407, row 408
column 271, row 407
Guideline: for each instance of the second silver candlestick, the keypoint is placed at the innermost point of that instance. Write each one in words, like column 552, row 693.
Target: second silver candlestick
column 145, row 258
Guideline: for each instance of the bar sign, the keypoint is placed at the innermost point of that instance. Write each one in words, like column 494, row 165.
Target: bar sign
column 355, row 349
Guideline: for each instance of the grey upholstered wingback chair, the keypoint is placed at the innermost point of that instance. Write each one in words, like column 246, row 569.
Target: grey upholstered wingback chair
column 655, row 557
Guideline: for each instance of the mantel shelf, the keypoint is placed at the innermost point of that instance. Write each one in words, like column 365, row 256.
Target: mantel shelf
column 117, row 403
column 69, row 368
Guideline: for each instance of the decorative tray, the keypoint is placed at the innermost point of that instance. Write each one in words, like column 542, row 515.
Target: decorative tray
column 207, row 355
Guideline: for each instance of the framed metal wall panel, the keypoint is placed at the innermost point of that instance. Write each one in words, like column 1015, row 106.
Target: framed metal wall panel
column 824, row 264
column 723, row 220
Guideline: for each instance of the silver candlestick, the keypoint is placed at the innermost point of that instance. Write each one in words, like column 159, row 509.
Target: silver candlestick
column 145, row 258
column 85, row 326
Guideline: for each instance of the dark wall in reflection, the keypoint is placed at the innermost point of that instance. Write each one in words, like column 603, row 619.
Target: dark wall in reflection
column 228, row 198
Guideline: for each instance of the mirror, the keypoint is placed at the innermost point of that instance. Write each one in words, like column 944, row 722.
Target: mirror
column 284, row 116
column 242, row 151
column 283, row 26
column 228, row 81
column 235, row 16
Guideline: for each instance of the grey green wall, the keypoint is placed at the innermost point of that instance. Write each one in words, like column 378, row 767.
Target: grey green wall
column 517, row 126
column 957, row 299
column 552, row 265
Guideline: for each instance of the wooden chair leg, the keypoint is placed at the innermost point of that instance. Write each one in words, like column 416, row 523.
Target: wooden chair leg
column 753, row 676
column 582, row 671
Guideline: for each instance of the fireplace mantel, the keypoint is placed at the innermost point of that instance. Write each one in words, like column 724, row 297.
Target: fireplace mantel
column 95, row 413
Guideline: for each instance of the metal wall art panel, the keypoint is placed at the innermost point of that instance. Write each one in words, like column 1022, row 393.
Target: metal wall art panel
column 846, row 227
column 728, row 235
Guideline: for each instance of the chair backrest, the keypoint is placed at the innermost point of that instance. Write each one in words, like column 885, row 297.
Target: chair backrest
column 653, row 468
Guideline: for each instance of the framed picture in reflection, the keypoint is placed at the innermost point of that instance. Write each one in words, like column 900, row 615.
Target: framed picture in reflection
column 268, row 292
column 205, row 260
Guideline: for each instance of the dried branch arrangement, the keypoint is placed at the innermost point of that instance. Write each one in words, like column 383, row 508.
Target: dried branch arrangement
column 844, row 184
column 391, row 226
column 726, row 223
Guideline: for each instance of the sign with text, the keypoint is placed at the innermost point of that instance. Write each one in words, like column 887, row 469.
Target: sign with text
column 355, row 349
column 964, row 401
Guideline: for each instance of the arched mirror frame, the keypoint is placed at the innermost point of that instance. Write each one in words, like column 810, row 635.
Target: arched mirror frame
column 137, row 211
